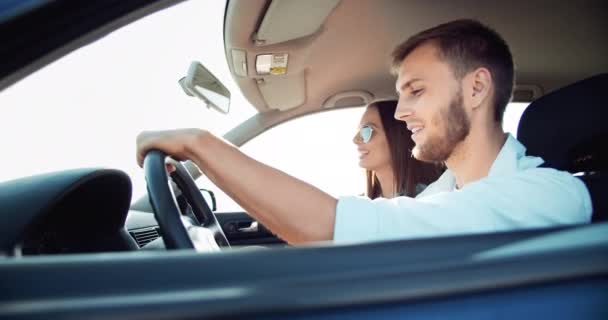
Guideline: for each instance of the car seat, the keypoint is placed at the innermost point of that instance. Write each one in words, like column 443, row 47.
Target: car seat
column 567, row 129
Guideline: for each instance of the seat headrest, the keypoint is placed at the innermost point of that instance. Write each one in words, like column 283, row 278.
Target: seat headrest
column 567, row 127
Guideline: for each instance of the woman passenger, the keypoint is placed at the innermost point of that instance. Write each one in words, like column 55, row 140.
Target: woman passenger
column 385, row 152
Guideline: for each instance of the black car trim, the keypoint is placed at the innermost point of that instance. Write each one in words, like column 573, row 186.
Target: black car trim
column 286, row 279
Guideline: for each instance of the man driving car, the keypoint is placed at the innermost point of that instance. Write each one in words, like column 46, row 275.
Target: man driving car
column 454, row 82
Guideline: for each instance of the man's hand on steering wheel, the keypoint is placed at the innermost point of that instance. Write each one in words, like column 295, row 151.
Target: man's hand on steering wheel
column 203, row 233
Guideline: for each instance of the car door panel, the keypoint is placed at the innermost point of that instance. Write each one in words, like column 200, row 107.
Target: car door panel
column 242, row 230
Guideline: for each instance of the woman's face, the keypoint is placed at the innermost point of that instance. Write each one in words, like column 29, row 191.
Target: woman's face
column 375, row 154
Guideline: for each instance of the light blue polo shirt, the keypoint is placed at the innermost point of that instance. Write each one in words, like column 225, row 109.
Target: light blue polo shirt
column 516, row 194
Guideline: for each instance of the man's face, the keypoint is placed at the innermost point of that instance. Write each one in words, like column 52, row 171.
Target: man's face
column 431, row 103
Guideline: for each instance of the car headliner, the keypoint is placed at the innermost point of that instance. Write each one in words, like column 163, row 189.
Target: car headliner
column 553, row 44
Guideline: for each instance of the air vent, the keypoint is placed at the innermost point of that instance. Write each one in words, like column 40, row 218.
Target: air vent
column 145, row 236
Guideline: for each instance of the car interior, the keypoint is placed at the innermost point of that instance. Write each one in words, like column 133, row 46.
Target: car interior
column 313, row 35
column 75, row 244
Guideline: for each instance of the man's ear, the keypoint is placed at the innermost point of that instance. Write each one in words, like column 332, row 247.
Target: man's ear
column 480, row 87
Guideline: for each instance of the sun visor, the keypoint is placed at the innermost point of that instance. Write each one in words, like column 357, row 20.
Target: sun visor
column 292, row 19
column 283, row 92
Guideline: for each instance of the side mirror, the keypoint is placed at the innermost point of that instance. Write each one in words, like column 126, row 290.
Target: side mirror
column 209, row 198
column 204, row 85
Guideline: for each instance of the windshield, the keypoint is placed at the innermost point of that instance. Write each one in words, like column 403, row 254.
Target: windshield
column 86, row 109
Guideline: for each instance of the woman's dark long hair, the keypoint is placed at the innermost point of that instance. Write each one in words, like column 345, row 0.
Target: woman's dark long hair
column 408, row 172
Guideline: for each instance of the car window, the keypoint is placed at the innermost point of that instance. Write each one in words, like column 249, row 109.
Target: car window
column 315, row 148
column 318, row 149
column 86, row 109
column 512, row 115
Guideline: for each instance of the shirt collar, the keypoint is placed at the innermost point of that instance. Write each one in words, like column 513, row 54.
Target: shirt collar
column 512, row 157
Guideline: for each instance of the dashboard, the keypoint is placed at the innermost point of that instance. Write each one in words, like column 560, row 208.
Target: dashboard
column 73, row 211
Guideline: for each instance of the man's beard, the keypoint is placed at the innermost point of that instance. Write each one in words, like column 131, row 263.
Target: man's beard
column 438, row 148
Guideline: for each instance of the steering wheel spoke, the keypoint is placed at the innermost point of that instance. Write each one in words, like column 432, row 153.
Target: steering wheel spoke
column 208, row 236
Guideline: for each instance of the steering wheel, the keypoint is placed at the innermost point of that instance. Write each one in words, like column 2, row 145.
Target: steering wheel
column 201, row 231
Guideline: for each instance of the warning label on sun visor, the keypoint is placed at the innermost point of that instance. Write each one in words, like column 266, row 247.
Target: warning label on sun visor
column 278, row 64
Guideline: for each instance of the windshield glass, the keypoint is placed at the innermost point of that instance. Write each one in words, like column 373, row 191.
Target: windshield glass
column 86, row 109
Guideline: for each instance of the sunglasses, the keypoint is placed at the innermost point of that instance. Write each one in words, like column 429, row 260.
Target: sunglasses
column 365, row 133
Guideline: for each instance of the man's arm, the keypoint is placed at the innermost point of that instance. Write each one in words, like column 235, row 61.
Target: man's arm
column 532, row 198
column 296, row 211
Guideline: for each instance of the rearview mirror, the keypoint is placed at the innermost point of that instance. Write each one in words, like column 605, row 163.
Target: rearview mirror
column 202, row 84
column 209, row 198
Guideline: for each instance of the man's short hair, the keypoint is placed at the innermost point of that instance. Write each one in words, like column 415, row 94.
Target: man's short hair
column 467, row 45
